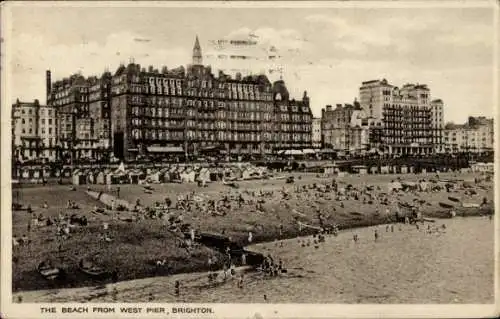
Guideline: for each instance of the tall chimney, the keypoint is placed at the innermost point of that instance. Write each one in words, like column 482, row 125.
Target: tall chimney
column 48, row 83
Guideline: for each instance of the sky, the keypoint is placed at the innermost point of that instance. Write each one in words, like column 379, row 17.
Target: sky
column 327, row 52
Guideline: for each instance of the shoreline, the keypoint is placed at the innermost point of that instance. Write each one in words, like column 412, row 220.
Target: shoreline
column 204, row 269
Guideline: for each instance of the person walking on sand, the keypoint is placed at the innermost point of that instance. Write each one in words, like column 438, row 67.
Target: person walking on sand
column 392, row 228
column 224, row 270
column 376, row 235
column 240, row 282
column 177, row 288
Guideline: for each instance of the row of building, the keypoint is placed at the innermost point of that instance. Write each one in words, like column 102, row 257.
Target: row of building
column 401, row 121
column 136, row 111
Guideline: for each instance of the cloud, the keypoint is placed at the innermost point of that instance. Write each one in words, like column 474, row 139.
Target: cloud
column 429, row 40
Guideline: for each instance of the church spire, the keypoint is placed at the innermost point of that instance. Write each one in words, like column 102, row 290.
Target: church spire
column 197, row 57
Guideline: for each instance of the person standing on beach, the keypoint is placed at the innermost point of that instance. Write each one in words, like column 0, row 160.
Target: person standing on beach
column 177, row 287
column 392, row 228
column 376, row 235
column 240, row 282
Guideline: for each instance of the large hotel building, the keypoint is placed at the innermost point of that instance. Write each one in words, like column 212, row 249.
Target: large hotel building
column 404, row 120
column 137, row 111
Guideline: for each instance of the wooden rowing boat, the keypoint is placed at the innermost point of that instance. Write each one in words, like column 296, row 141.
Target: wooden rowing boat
column 445, row 205
column 47, row 271
column 454, row 199
column 92, row 270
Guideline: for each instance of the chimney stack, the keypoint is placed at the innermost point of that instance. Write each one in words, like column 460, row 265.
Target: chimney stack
column 48, row 83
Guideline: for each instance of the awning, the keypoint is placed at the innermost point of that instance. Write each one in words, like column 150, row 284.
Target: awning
column 165, row 149
column 309, row 151
column 327, row 150
column 293, row 152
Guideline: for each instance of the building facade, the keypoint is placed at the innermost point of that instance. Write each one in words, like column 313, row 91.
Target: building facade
column 80, row 111
column 437, row 122
column 136, row 110
column 34, row 131
column 345, row 128
column 316, row 137
column 475, row 136
column 402, row 118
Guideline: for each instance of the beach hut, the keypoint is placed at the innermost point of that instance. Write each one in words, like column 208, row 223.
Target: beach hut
column 204, row 175
column 46, row 172
column 134, row 176
column 404, row 169
column 329, row 169
column 384, row 169
column 360, row 169
column 37, row 172
column 172, row 174
column 90, row 177
column 100, row 178
column 154, row 176
column 78, row 177
column 67, row 172
column 25, row 173
column 188, row 176
column 163, row 175
column 109, row 178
